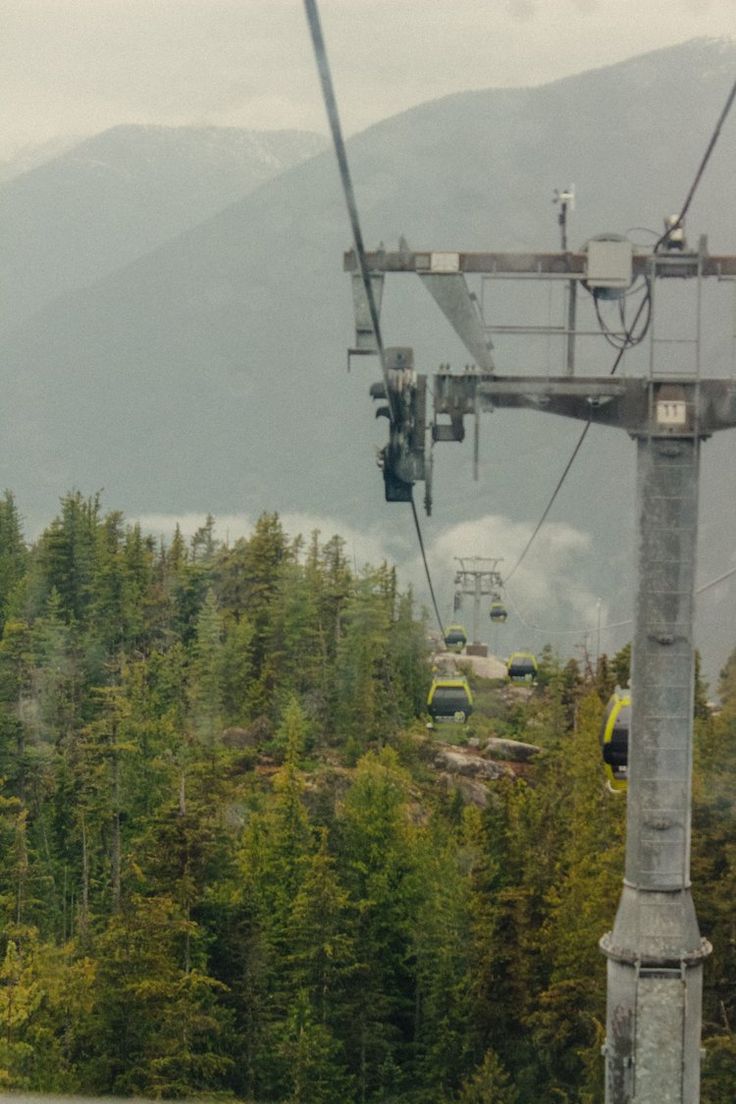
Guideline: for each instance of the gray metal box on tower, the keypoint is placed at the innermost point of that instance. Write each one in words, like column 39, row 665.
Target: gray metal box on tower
column 609, row 263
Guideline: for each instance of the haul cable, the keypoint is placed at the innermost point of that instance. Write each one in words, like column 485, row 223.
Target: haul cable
column 333, row 117
column 338, row 142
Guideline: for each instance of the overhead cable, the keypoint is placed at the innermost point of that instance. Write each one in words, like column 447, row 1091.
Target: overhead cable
column 714, row 582
column 330, row 101
column 646, row 301
column 630, row 343
column 701, row 169
column 338, row 142
column 550, row 504
column 426, row 565
column 629, row 339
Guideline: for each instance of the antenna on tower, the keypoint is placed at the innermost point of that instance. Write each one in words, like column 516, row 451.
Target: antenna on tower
column 566, row 199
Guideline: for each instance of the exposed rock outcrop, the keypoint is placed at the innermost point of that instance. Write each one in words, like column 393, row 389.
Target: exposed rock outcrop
column 514, row 751
column 456, row 761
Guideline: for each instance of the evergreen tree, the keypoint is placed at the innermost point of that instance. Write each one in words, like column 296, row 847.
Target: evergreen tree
column 490, row 1084
column 236, row 670
column 376, row 851
column 13, row 554
column 316, row 1072
column 20, row 996
column 443, row 954
column 205, row 691
column 274, row 859
column 322, row 937
column 66, row 557
column 158, row 1024
column 366, row 706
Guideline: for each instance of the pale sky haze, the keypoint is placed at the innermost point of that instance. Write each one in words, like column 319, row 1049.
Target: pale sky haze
column 80, row 66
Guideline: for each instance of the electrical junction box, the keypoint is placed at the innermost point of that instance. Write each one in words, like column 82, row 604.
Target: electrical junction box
column 609, row 264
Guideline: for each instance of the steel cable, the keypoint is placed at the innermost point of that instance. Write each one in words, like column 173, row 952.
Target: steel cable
column 338, row 142
column 550, row 504
column 330, row 101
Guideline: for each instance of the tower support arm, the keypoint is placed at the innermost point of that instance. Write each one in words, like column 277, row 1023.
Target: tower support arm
column 564, row 265
column 675, row 406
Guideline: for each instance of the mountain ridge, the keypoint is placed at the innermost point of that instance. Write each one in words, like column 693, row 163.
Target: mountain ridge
column 113, row 197
column 207, row 375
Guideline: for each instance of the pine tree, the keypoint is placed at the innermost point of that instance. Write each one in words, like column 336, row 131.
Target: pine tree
column 490, row 1084
column 19, row 722
column 205, row 686
column 296, row 658
column 442, row 952
column 317, row 1074
column 322, row 938
column 408, row 659
column 66, row 557
column 159, row 1026
column 20, row 996
column 580, row 905
column 236, row 670
column 713, row 872
column 203, row 543
column 378, row 866
column 366, row 708
column 13, row 554
column 274, row 859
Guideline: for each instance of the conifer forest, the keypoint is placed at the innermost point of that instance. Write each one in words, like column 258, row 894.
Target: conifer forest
column 230, row 862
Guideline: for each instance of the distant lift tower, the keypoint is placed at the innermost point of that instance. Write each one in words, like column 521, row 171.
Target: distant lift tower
column 655, row 952
column 478, row 577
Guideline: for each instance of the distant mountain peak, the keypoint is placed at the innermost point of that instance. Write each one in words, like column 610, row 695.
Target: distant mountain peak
column 116, row 195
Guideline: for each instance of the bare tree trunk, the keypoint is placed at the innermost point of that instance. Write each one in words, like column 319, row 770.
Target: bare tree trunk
column 63, row 908
column 182, row 794
column 84, row 911
column 22, row 851
column 116, row 848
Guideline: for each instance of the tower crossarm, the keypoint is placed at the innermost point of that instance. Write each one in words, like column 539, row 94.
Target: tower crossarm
column 674, row 406
column 563, row 265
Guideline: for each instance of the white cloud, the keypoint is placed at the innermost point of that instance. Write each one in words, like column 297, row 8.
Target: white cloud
column 546, row 600
column 363, row 547
column 227, row 527
column 545, row 590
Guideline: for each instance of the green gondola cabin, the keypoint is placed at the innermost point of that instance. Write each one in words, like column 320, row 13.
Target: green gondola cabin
column 450, row 699
column 615, row 740
column 455, row 638
column 522, row 667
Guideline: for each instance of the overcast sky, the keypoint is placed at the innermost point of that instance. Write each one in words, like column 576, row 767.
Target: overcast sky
column 79, row 66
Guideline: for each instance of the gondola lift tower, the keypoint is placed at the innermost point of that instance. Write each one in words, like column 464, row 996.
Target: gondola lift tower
column 655, row 951
column 478, row 577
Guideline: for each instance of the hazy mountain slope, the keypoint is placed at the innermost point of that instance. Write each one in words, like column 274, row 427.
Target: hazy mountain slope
column 210, row 374
column 118, row 195
column 32, row 154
